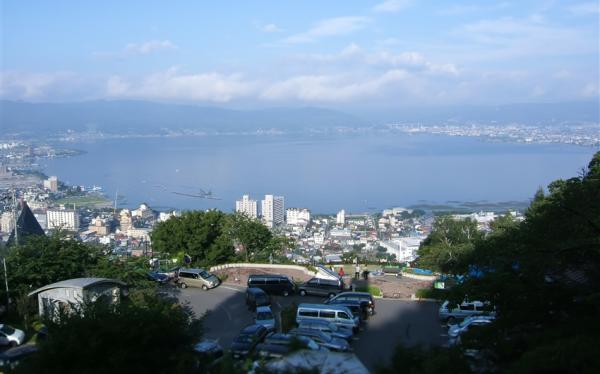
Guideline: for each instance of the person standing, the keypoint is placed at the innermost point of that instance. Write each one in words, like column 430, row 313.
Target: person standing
column 357, row 272
column 341, row 272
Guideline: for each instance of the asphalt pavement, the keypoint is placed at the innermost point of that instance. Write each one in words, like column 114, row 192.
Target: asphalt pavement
column 395, row 321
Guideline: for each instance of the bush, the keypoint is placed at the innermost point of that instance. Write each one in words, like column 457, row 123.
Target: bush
column 431, row 293
column 373, row 290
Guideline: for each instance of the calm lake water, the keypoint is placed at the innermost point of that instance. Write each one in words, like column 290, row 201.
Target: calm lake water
column 322, row 173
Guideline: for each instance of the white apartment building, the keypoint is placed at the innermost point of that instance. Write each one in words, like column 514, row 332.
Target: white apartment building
column 297, row 216
column 341, row 217
column 67, row 219
column 7, row 222
column 247, row 206
column 404, row 248
column 51, row 184
column 273, row 210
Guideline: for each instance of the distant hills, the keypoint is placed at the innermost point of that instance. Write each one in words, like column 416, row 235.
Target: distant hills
column 149, row 117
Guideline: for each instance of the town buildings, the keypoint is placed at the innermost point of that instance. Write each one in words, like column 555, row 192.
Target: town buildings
column 273, row 210
column 247, row 206
column 51, row 184
column 341, row 217
column 7, row 222
column 298, row 216
column 62, row 218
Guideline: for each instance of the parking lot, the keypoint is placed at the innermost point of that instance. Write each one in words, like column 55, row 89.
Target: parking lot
column 395, row 321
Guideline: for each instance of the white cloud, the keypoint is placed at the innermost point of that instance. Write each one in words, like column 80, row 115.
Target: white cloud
column 149, row 47
column 329, row 27
column 33, row 86
column 271, row 27
column 172, row 84
column 331, row 88
column 391, row 6
column 583, row 9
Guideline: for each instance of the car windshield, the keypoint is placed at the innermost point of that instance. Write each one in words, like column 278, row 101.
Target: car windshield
column 204, row 274
column 264, row 315
column 7, row 329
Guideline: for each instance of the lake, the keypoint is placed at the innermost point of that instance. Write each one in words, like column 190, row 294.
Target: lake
column 358, row 173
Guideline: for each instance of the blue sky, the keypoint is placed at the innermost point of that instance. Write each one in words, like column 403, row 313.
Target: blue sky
column 374, row 54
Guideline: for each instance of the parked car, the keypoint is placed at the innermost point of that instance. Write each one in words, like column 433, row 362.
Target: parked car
column 208, row 353
column 323, row 339
column 450, row 313
column 246, row 341
column 363, row 297
column 265, row 317
column 329, row 328
column 340, row 315
column 160, row 278
column 321, row 287
column 358, row 309
column 197, row 278
column 11, row 336
column 269, row 351
column 288, row 340
column 256, row 297
column 13, row 357
column 455, row 331
column 272, row 283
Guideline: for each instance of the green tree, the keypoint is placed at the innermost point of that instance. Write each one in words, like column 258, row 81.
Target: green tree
column 201, row 235
column 157, row 337
column 250, row 234
column 543, row 276
column 449, row 240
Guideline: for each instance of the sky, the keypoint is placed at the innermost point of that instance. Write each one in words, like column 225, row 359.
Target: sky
column 341, row 54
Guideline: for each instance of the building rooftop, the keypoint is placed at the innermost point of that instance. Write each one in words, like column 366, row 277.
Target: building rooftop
column 78, row 283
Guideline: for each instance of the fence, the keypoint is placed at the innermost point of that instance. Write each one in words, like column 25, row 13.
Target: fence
column 262, row 266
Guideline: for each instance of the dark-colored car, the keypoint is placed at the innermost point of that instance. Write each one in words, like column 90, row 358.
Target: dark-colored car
column 289, row 340
column 328, row 327
column 272, row 283
column 160, row 278
column 247, row 340
column 363, row 297
column 321, row 287
column 12, row 357
column 323, row 339
column 268, row 351
column 256, row 297
column 208, row 354
column 358, row 308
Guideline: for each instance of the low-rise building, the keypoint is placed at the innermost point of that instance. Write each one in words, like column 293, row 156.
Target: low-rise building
column 62, row 218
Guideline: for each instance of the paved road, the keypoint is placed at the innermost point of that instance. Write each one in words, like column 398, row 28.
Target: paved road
column 395, row 321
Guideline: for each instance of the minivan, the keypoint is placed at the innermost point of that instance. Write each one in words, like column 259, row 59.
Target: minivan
column 196, row 278
column 255, row 297
column 340, row 315
column 363, row 297
column 449, row 312
column 321, row 287
column 272, row 283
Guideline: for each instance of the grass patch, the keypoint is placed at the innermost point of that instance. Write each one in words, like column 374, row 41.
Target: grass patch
column 373, row 290
column 431, row 293
column 85, row 200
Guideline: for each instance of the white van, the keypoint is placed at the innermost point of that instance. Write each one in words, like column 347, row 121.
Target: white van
column 337, row 314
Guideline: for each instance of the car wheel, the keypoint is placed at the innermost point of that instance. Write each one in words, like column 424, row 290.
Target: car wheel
column 182, row 285
column 204, row 287
column 285, row 293
column 302, row 292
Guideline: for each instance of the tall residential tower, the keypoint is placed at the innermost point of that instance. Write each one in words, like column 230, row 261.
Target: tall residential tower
column 273, row 211
column 246, row 206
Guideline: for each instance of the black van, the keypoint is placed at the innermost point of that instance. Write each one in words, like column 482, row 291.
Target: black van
column 272, row 283
column 256, row 297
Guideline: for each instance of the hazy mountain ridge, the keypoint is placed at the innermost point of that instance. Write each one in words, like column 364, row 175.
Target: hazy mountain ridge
column 150, row 117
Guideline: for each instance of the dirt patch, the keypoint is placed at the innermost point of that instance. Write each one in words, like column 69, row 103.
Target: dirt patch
column 400, row 287
column 240, row 275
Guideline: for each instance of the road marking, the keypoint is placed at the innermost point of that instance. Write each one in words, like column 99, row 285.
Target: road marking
column 231, row 288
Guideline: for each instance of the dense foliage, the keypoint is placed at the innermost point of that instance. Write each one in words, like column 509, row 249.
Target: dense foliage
column 543, row 276
column 156, row 337
column 210, row 238
column 449, row 240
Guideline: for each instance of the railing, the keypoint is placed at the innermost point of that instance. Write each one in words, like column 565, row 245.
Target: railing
column 262, row 266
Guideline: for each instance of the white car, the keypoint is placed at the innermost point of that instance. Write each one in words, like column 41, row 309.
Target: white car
column 11, row 336
column 265, row 317
column 451, row 312
column 455, row 331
